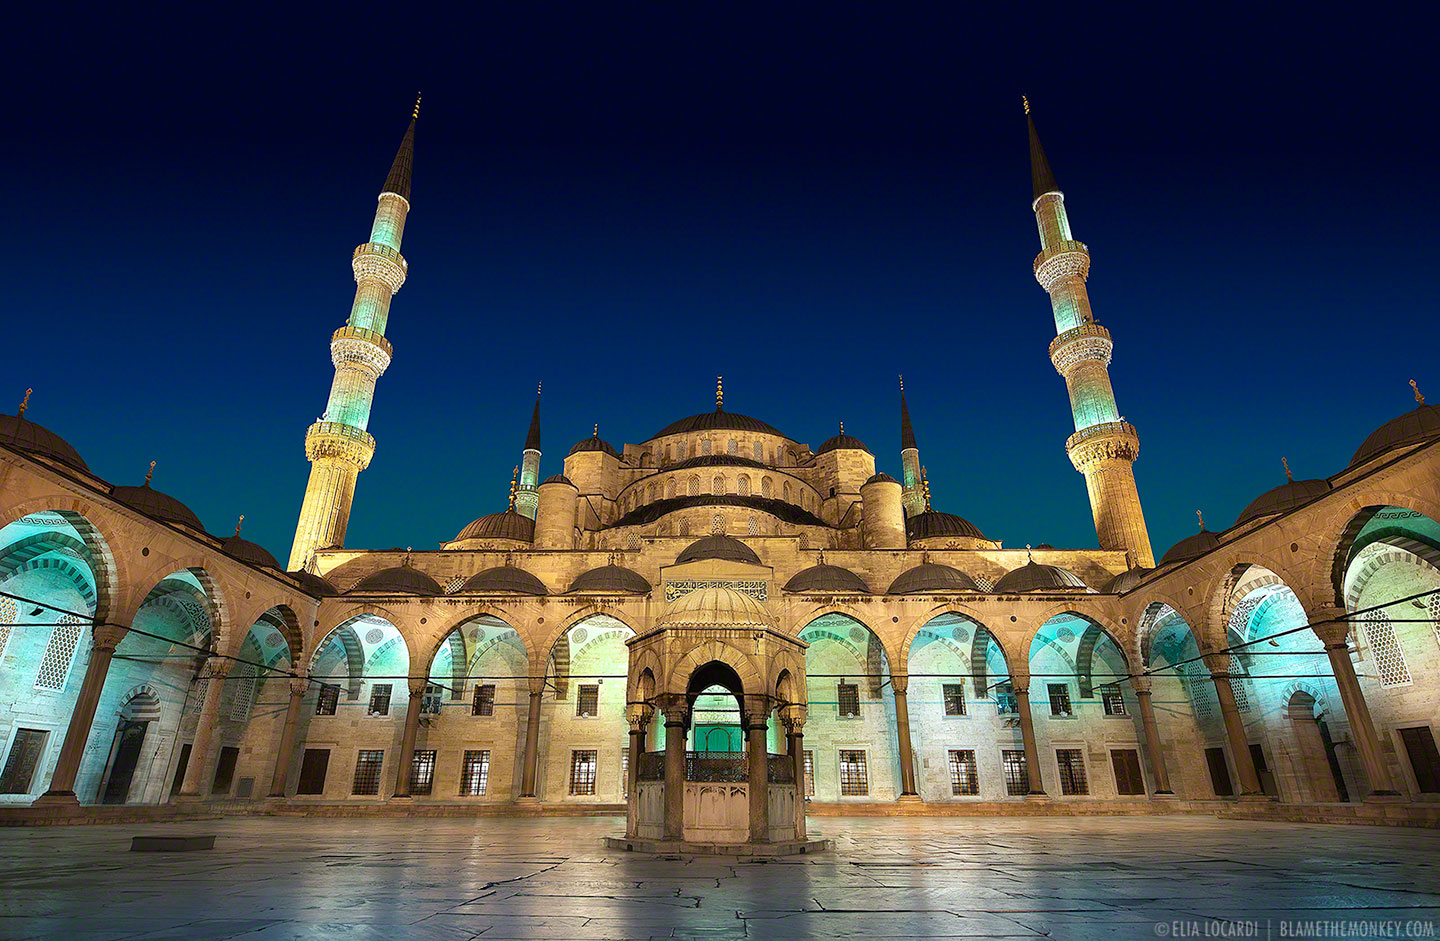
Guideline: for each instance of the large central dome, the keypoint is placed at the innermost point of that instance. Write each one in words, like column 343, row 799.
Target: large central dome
column 719, row 420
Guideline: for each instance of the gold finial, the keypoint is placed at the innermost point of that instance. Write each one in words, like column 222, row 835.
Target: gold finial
column 150, row 474
column 1419, row 399
column 925, row 485
column 719, row 393
column 539, row 385
column 842, row 427
column 1201, row 518
column 513, row 476
column 1029, row 559
column 415, row 115
column 1288, row 476
column 238, row 523
column 407, row 557
column 25, row 402
column 597, row 429
column 1026, row 102
column 902, row 382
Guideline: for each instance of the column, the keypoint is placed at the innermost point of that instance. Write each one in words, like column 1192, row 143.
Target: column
column 1027, row 733
column 532, row 746
column 794, row 717
column 407, row 741
column 105, row 637
column 677, row 721
column 197, row 772
column 1334, row 634
column 286, row 752
column 1151, row 732
column 759, row 778
column 899, row 684
column 638, row 715
column 1219, row 665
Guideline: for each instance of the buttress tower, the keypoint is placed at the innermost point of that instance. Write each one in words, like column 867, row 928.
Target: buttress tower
column 1104, row 446
column 338, row 446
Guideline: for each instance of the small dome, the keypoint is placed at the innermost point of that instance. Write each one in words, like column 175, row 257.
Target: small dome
column 399, row 580
column 1414, row 427
column 842, row 442
column 505, row 578
column 1283, row 498
column 934, row 523
column 611, row 578
column 931, row 576
column 158, row 505
column 594, row 443
column 314, row 584
column 557, row 479
column 718, row 420
column 24, row 435
column 1127, row 580
column 1191, row 547
column 727, row 548
column 881, row 478
column 1033, row 576
column 824, row 577
column 507, row 525
column 716, row 605
column 247, row 551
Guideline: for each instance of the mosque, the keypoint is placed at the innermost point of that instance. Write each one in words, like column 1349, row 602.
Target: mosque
column 721, row 606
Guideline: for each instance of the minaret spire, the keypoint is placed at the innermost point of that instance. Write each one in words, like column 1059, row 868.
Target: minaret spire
column 912, row 496
column 338, row 445
column 1104, row 446
column 526, row 500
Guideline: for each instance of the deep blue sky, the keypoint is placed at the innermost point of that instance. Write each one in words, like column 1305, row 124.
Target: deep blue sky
column 627, row 201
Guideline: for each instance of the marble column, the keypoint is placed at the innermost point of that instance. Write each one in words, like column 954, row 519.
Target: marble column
column 1151, row 731
column 105, row 638
column 899, row 684
column 407, row 741
column 529, row 770
column 1219, row 664
column 1027, row 734
column 639, row 718
column 677, row 721
column 285, row 753
column 794, row 717
column 197, row 771
column 759, row 778
column 1334, row 634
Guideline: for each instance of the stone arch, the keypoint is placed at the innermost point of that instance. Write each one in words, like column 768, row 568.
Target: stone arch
column 469, row 614
column 556, row 665
column 1220, row 598
column 1330, row 563
column 115, row 595
column 639, row 689
column 216, row 597
column 918, row 622
column 353, row 647
column 875, row 658
column 466, row 644
column 1304, row 688
column 678, row 679
column 141, row 703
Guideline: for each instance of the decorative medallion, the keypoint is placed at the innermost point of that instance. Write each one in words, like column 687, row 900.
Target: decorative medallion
column 374, row 636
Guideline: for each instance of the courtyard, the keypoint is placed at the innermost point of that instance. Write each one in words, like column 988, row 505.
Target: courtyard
column 1071, row 878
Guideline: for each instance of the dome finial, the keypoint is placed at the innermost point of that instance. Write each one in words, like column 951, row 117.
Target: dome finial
column 902, row 382
column 514, row 474
column 25, row 402
column 415, row 115
column 1201, row 518
column 1288, row 476
column 1026, row 102
column 1419, row 399
column 925, row 485
column 719, row 393
column 842, row 426
column 539, row 386
column 1029, row 559
column 238, row 523
column 597, row 430
column 150, row 473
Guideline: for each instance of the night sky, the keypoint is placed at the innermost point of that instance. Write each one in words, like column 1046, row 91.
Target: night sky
column 628, row 201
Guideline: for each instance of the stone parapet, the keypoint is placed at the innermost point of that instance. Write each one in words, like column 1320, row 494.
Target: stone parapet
column 329, row 439
column 1089, row 341
column 1110, row 441
column 361, row 347
column 375, row 262
column 1064, row 261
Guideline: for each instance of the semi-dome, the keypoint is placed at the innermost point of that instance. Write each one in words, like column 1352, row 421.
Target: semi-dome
column 399, row 580
column 594, row 443
column 842, row 442
column 931, row 576
column 507, row 525
column 824, row 577
column 24, row 435
column 505, row 578
column 881, row 478
column 314, row 584
column 727, row 548
column 1416, row 426
column 1127, row 580
column 558, row 479
column 160, row 506
column 611, row 578
column 718, row 420
column 1283, row 498
column 249, row 552
column 934, row 523
column 716, row 606
column 1191, row 547
column 1036, row 576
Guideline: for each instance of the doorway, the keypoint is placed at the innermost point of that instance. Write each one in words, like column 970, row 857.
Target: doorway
column 128, row 739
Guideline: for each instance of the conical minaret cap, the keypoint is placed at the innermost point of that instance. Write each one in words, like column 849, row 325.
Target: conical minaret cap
column 398, row 182
column 1041, row 177
column 532, row 440
column 907, row 431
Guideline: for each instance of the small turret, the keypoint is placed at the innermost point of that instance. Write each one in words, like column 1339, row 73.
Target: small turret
column 526, row 496
column 911, row 499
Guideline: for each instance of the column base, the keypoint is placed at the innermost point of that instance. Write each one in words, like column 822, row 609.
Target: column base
column 1163, row 796
column 1038, row 797
column 1386, row 797
column 401, row 799
column 186, row 799
column 909, row 799
column 1257, row 798
column 527, row 799
column 56, row 799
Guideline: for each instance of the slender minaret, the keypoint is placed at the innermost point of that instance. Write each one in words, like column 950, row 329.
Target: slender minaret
column 338, row 445
column 912, row 497
column 1104, row 446
column 527, row 497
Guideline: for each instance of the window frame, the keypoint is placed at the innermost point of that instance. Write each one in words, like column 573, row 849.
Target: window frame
column 1083, row 782
column 375, row 690
column 840, row 703
column 582, row 691
column 480, row 706
column 327, row 701
column 379, row 772
column 484, row 769
column 945, row 698
column 974, row 769
column 594, row 778
column 1023, row 782
column 1064, row 689
column 864, row 753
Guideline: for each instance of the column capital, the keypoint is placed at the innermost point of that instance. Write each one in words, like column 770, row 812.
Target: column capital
column 417, row 686
column 900, row 682
column 298, row 685
column 107, row 636
column 1330, row 626
column 639, row 716
column 1217, row 662
column 1141, row 685
column 537, row 684
column 794, row 717
column 217, row 668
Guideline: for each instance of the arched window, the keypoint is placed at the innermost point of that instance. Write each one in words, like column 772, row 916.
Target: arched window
column 705, row 446
column 680, row 450
column 766, row 488
column 667, row 454
column 670, row 489
column 760, row 451
column 694, row 486
column 1389, row 659
column 650, row 494
column 717, row 525
column 754, row 525
column 742, row 486
column 789, row 492
column 718, row 486
column 732, row 447
column 684, row 527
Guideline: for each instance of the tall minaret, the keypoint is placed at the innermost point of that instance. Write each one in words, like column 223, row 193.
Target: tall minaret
column 912, row 497
column 1104, row 446
column 527, row 497
column 338, row 445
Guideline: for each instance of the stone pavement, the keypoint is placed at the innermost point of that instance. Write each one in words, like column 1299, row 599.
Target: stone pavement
column 1068, row 878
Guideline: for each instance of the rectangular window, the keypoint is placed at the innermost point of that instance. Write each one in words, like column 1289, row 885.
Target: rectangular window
column 582, row 772
column 225, row 770
column 1005, row 702
column 1017, row 781
column 380, row 699
column 847, row 695
column 732, row 446
column 705, row 446
column 1114, row 702
column 1219, row 773
column 854, row 779
column 1424, row 759
column 1389, row 658
column 422, row 771
column 1059, row 698
column 59, row 653
column 1128, row 780
column 312, row 771
column 484, row 704
column 367, row 771
column 1072, row 771
column 431, row 700
column 587, row 700
column 325, row 703
column 964, row 780
column 475, row 774
column 760, row 452
column 24, row 758
column 954, row 699
column 809, row 759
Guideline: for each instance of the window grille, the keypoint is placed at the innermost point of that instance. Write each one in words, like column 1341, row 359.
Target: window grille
column 625, row 773
column 1432, row 607
column 1240, row 690
column 59, row 654
column 1017, row 780
column 1202, row 692
column 670, row 488
column 954, row 699
column 847, row 697
column 732, row 447
column 717, row 522
column 432, row 699
column 422, row 771
column 9, row 615
column 484, row 703
column 367, row 771
column 964, row 779
column 1005, row 702
column 327, row 700
column 753, row 525
column 1113, row 700
column 25, row 752
column 1059, row 694
column 244, row 694
column 766, row 487
column 1389, row 658
column 717, row 486
column 380, row 699
column 1072, row 771
column 587, row 700
column 854, row 780
column 684, row 527
column 760, row 451
column 705, row 447
column 694, row 486
column 809, row 759
column 680, row 450
column 582, row 772
column 742, row 485
column 475, row 773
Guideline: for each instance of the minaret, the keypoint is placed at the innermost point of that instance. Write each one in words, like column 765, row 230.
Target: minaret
column 527, row 497
column 338, row 445
column 1104, row 446
column 912, row 498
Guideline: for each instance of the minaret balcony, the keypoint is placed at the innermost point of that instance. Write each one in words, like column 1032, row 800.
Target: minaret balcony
column 375, row 262
column 1102, row 443
column 338, row 441
column 1089, row 341
column 361, row 347
column 1064, row 261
